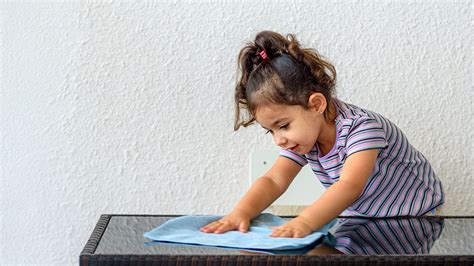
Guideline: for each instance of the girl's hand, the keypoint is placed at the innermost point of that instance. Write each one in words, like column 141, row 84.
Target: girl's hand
column 236, row 220
column 296, row 227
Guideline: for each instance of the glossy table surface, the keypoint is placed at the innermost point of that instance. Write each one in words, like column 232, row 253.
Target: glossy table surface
column 427, row 236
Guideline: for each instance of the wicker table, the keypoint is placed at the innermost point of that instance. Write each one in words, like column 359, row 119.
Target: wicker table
column 118, row 240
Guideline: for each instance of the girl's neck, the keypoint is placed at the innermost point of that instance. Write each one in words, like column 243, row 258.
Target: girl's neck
column 327, row 138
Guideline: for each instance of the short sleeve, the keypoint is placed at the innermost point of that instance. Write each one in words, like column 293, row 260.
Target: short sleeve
column 301, row 160
column 365, row 134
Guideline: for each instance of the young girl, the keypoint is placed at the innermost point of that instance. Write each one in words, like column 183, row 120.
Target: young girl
column 365, row 162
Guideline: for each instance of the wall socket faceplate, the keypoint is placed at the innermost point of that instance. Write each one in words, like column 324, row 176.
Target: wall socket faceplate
column 304, row 189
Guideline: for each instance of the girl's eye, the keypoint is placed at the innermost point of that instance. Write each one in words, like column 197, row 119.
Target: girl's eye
column 285, row 126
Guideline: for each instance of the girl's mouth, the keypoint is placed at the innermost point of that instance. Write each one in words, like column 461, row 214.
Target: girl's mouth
column 294, row 148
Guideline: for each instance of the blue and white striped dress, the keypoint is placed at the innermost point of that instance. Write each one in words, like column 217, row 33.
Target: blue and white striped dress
column 402, row 183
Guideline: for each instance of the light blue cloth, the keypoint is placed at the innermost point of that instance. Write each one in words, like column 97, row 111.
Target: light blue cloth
column 185, row 230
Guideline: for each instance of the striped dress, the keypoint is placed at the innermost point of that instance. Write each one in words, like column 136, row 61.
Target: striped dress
column 402, row 182
column 388, row 236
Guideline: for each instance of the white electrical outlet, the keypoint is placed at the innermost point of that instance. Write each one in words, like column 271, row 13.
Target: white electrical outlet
column 304, row 189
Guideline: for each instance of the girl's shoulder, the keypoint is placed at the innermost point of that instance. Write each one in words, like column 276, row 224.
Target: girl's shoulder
column 347, row 111
column 351, row 119
column 358, row 129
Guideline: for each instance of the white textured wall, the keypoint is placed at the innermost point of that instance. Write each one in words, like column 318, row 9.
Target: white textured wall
column 127, row 108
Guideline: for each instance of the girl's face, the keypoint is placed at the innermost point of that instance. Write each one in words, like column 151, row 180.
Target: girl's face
column 292, row 127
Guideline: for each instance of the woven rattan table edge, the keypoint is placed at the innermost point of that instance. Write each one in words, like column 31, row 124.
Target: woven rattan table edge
column 197, row 260
column 87, row 256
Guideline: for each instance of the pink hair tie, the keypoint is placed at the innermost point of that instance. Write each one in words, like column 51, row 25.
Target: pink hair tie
column 263, row 55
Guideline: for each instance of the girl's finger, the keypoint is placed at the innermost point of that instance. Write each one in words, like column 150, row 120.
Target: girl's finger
column 297, row 235
column 281, row 233
column 244, row 227
column 287, row 234
column 211, row 227
column 223, row 228
column 276, row 232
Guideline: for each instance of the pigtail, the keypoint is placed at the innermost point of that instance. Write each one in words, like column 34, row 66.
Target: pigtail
column 323, row 71
column 246, row 64
column 249, row 59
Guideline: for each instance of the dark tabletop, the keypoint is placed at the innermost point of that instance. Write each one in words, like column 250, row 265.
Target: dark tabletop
column 422, row 235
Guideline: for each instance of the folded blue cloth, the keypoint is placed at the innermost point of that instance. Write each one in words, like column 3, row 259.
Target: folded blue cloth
column 185, row 230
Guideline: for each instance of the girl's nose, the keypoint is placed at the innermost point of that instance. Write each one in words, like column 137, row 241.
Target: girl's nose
column 279, row 140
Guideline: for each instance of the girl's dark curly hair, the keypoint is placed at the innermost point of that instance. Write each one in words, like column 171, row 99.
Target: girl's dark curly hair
column 288, row 76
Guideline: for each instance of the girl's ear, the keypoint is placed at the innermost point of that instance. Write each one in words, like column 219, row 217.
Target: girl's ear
column 317, row 102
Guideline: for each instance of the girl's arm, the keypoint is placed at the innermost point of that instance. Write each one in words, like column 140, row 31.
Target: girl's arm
column 263, row 192
column 338, row 197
